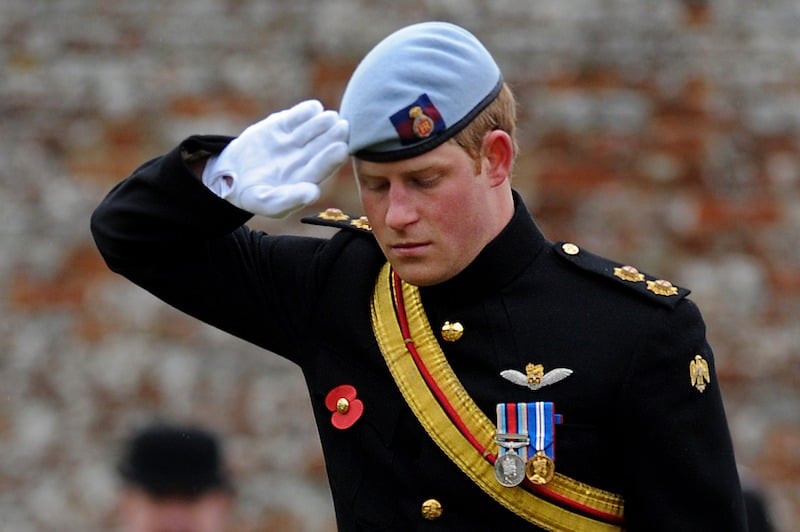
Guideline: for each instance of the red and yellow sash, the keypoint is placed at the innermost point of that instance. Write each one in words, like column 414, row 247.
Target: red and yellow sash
column 461, row 429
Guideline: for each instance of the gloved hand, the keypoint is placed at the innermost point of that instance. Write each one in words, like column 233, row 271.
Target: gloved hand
column 275, row 166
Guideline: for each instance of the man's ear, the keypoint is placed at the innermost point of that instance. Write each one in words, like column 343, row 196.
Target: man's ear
column 497, row 154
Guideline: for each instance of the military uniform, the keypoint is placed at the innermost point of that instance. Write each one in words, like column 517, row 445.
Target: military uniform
column 636, row 421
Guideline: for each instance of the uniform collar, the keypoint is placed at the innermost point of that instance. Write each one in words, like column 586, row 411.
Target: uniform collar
column 501, row 261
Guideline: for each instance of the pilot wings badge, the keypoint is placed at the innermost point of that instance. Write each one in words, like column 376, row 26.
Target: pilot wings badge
column 535, row 377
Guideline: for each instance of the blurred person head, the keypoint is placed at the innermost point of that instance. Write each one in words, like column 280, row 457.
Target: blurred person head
column 174, row 480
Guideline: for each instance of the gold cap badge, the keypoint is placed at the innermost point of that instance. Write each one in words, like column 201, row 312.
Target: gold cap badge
column 423, row 124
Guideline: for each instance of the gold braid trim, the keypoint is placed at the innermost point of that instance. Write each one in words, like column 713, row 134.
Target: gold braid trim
column 449, row 438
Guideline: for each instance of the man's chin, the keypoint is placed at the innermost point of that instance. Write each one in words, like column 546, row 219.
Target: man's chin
column 418, row 274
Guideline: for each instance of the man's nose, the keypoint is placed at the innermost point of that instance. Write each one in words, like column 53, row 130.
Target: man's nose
column 401, row 211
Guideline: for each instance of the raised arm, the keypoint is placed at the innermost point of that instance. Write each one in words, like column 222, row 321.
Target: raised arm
column 184, row 240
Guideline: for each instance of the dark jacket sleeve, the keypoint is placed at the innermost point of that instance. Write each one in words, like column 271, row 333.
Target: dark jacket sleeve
column 677, row 452
column 165, row 231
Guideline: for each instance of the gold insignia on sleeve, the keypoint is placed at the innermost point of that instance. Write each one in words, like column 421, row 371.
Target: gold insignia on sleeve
column 362, row 223
column 662, row 287
column 333, row 214
column 628, row 273
column 699, row 375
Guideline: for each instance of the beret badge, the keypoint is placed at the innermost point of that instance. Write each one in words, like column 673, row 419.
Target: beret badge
column 422, row 125
column 419, row 120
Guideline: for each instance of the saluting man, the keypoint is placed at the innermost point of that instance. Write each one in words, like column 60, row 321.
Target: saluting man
column 465, row 372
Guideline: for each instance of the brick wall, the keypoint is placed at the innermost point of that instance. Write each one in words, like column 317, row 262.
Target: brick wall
column 660, row 133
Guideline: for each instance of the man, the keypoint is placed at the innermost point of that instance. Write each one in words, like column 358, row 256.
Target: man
column 441, row 337
column 174, row 480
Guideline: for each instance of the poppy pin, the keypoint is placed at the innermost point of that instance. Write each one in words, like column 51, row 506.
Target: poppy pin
column 344, row 405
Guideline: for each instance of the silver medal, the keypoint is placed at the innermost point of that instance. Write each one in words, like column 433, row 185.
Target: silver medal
column 509, row 469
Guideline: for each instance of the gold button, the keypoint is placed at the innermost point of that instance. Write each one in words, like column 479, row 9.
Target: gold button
column 342, row 405
column 570, row 249
column 452, row 331
column 431, row 509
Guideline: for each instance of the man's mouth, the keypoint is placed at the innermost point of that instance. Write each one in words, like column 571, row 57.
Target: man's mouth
column 409, row 249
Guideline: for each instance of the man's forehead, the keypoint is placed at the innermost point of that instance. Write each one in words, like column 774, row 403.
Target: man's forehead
column 436, row 159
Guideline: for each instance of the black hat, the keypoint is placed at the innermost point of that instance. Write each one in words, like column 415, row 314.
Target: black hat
column 174, row 461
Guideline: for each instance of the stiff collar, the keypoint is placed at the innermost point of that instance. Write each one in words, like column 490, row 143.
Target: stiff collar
column 501, row 261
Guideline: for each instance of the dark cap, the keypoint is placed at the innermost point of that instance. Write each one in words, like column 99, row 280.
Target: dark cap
column 174, row 461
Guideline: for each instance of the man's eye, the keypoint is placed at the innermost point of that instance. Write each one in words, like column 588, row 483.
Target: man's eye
column 425, row 182
column 374, row 186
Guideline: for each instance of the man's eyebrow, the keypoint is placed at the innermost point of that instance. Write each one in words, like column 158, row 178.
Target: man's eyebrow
column 419, row 172
column 408, row 174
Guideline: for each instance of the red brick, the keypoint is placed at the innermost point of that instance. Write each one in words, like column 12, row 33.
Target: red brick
column 329, row 76
column 226, row 104
column 125, row 143
column 697, row 12
column 722, row 215
column 780, row 462
column 65, row 289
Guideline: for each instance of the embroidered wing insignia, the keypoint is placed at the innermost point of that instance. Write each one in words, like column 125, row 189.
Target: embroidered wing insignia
column 521, row 379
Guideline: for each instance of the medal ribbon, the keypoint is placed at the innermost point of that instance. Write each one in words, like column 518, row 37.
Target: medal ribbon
column 537, row 420
column 544, row 419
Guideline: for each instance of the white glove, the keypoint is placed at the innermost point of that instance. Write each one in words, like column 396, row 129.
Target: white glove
column 275, row 166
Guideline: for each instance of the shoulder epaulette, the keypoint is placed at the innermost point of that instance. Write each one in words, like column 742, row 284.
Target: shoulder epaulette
column 336, row 218
column 655, row 289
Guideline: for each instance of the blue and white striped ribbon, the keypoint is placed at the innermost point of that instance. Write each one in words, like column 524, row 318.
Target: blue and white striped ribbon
column 537, row 420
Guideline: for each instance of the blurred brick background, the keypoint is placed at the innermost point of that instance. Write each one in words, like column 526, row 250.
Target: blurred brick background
column 662, row 133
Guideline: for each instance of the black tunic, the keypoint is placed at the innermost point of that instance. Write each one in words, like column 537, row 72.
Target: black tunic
column 633, row 423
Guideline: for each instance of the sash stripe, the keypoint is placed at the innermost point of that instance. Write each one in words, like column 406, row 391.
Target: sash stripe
column 429, row 380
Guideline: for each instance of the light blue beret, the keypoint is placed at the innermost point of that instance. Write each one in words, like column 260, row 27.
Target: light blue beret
column 416, row 89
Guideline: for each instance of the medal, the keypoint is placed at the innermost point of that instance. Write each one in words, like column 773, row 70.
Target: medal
column 525, row 436
column 509, row 469
column 540, row 469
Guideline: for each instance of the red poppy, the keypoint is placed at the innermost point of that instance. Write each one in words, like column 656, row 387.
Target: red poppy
column 344, row 405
